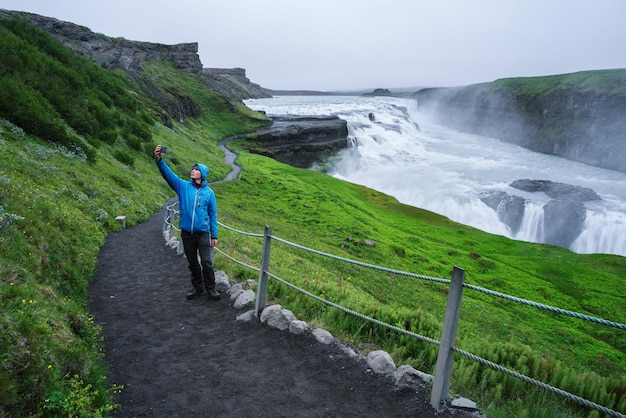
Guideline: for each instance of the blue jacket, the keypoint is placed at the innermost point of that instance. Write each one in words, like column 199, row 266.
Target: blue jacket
column 198, row 207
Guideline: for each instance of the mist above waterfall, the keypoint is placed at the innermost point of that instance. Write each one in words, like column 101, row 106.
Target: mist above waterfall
column 579, row 116
column 397, row 150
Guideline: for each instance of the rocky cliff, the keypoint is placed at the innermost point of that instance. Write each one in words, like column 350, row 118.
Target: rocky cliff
column 302, row 141
column 564, row 214
column 233, row 82
column 578, row 116
column 113, row 52
column 130, row 55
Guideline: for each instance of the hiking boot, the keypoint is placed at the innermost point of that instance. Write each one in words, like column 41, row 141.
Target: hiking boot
column 214, row 294
column 195, row 293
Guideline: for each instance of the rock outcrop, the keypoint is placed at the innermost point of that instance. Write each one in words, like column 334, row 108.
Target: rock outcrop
column 114, row 52
column 578, row 116
column 129, row 55
column 556, row 190
column 232, row 82
column 510, row 209
column 302, row 141
column 563, row 215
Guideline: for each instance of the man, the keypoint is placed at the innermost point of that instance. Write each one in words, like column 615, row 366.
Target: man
column 198, row 224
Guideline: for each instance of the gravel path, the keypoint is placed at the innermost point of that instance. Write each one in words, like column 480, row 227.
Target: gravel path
column 180, row 358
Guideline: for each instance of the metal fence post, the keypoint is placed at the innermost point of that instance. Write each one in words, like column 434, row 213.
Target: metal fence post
column 445, row 358
column 265, row 262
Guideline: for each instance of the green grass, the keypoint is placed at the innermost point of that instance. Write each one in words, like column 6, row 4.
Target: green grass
column 57, row 204
column 317, row 211
column 599, row 81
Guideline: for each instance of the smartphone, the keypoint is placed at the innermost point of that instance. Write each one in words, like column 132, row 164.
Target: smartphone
column 163, row 150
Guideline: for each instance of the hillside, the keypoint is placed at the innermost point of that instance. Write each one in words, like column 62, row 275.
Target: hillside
column 130, row 55
column 578, row 116
column 76, row 142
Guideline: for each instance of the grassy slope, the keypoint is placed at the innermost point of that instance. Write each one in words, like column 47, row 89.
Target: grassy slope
column 68, row 205
column 599, row 81
column 313, row 209
column 56, row 207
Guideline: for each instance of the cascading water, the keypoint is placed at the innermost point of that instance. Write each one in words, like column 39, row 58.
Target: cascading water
column 532, row 223
column 395, row 150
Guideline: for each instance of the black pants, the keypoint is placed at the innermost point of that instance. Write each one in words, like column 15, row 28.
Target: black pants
column 202, row 274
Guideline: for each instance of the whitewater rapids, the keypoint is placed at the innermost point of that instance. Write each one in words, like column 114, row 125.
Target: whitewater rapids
column 394, row 149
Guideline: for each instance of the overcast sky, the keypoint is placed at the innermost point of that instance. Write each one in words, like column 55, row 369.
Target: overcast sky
column 366, row 44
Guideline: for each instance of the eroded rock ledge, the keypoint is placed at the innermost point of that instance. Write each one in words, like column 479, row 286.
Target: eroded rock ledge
column 112, row 52
column 302, row 141
column 128, row 55
column 564, row 212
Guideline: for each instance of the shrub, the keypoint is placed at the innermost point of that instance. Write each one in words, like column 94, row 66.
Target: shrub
column 124, row 157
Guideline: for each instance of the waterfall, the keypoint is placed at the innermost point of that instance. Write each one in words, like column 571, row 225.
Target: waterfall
column 396, row 150
column 531, row 228
column 602, row 233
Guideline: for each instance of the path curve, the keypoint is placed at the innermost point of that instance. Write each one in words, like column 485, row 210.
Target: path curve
column 229, row 157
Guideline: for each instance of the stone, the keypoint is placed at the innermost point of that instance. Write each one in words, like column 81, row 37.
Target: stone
column 244, row 299
column 269, row 311
column 381, row 362
column 461, row 402
column 172, row 243
column 235, row 290
column 281, row 319
column 406, row 375
column 222, row 283
column 323, row 336
column 350, row 352
column 248, row 316
column 298, row 327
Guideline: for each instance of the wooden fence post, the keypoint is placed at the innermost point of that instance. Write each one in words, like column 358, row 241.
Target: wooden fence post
column 441, row 383
column 261, row 296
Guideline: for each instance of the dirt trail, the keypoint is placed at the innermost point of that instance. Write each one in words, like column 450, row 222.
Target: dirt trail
column 179, row 358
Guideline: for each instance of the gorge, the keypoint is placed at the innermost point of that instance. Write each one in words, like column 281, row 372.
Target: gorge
column 61, row 218
column 475, row 180
column 578, row 116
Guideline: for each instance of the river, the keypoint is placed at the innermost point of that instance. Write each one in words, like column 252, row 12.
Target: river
column 396, row 150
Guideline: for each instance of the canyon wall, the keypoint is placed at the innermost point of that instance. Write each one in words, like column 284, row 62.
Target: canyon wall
column 580, row 116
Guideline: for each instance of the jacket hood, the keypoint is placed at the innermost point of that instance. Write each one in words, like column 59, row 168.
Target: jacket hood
column 204, row 170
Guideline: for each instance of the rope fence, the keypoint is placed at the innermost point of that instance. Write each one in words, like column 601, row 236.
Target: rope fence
column 446, row 345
